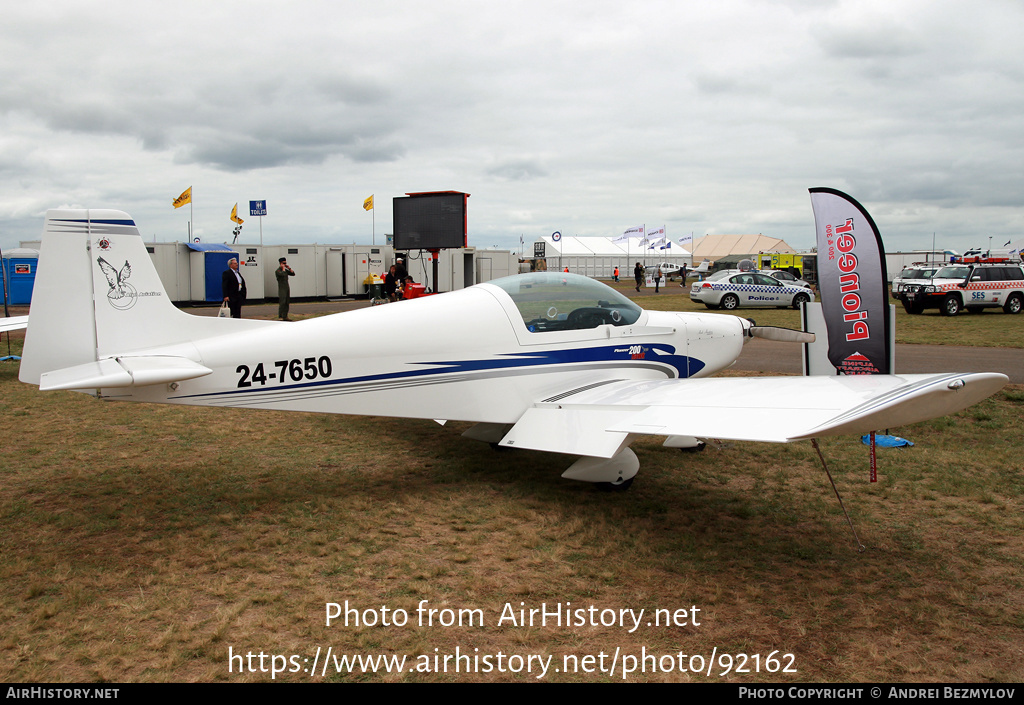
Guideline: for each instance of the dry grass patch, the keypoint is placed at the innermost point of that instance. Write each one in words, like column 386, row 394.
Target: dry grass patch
column 140, row 543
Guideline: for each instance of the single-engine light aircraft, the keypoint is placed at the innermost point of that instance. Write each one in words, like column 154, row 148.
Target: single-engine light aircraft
column 546, row 361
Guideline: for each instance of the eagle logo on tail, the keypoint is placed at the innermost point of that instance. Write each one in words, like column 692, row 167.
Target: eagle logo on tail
column 121, row 294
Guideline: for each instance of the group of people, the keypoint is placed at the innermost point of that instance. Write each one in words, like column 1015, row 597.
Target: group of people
column 397, row 285
column 397, row 282
column 232, row 286
column 638, row 273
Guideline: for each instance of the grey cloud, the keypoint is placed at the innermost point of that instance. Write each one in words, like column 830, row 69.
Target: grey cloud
column 868, row 37
column 713, row 84
column 518, row 170
column 869, row 44
column 239, row 152
column 352, row 91
column 281, row 120
column 708, row 118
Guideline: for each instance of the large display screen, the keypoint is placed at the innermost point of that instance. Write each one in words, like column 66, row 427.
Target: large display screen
column 430, row 221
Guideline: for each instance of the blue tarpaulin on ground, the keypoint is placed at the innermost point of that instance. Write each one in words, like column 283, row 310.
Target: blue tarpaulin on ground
column 886, row 441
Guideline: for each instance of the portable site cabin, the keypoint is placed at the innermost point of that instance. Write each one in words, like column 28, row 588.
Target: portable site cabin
column 191, row 272
column 494, row 264
column 459, row 267
column 326, row 271
column 896, row 261
column 171, row 260
column 208, row 262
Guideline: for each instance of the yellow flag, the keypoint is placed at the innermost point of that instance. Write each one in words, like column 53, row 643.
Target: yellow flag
column 185, row 197
column 234, row 215
column 368, row 204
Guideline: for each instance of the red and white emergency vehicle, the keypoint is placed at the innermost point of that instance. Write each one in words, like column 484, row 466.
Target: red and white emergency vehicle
column 974, row 286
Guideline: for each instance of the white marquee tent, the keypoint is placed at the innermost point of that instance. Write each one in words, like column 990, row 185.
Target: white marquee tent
column 598, row 256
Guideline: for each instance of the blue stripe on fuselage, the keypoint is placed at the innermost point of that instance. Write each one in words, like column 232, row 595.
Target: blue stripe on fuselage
column 659, row 353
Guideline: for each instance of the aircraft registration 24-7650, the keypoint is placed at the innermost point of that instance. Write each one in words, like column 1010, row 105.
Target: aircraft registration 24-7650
column 545, row 361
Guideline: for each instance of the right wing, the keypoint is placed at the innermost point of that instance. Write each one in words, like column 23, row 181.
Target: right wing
column 598, row 420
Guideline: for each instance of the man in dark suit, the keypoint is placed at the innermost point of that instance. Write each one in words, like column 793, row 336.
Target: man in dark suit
column 233, row 287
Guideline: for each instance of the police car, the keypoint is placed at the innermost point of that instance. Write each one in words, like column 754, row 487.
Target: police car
column 974, row 286
column 730, row 290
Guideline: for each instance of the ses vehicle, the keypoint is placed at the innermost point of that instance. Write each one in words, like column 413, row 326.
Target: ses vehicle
column 973, row 287
column 545, row 361
column 730, row 289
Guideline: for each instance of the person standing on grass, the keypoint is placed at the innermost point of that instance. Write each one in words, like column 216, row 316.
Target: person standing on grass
column 233, row 288
column 284, row 289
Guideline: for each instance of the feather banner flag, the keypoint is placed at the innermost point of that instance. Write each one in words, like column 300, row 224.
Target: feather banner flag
column 852, row 283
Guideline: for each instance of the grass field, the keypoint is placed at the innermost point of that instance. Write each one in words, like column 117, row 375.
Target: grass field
column 146, row 543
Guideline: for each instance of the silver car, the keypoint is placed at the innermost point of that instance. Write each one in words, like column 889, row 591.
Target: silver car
column 785, row 277
column 731, row 290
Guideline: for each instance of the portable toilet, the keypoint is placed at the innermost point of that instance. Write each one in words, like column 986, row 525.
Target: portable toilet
column 208, row 262
column 19, row 272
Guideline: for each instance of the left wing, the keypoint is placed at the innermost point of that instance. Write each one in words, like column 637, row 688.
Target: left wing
column 13, row 323
column 597, row 420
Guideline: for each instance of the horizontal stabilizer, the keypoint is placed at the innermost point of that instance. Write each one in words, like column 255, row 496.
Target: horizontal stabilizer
column 123, row 372
column 13, row 323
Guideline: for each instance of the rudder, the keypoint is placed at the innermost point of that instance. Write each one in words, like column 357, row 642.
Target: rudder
column 97, row 295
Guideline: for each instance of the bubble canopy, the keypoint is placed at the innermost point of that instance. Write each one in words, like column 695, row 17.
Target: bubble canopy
column 555, row 301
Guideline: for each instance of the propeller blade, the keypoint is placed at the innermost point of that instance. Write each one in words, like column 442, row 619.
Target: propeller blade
column 785, row 335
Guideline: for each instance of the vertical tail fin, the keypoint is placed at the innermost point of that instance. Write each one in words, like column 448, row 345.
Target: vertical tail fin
column 97, row 295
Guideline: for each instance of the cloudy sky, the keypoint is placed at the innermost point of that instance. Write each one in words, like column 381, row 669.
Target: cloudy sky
column 584, row 117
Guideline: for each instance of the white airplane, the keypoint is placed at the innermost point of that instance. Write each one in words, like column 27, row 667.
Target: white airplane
column 701, row 268
column 674, row 270
column 544, row 361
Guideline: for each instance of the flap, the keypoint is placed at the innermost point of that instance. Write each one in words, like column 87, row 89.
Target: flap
column 573, row 431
